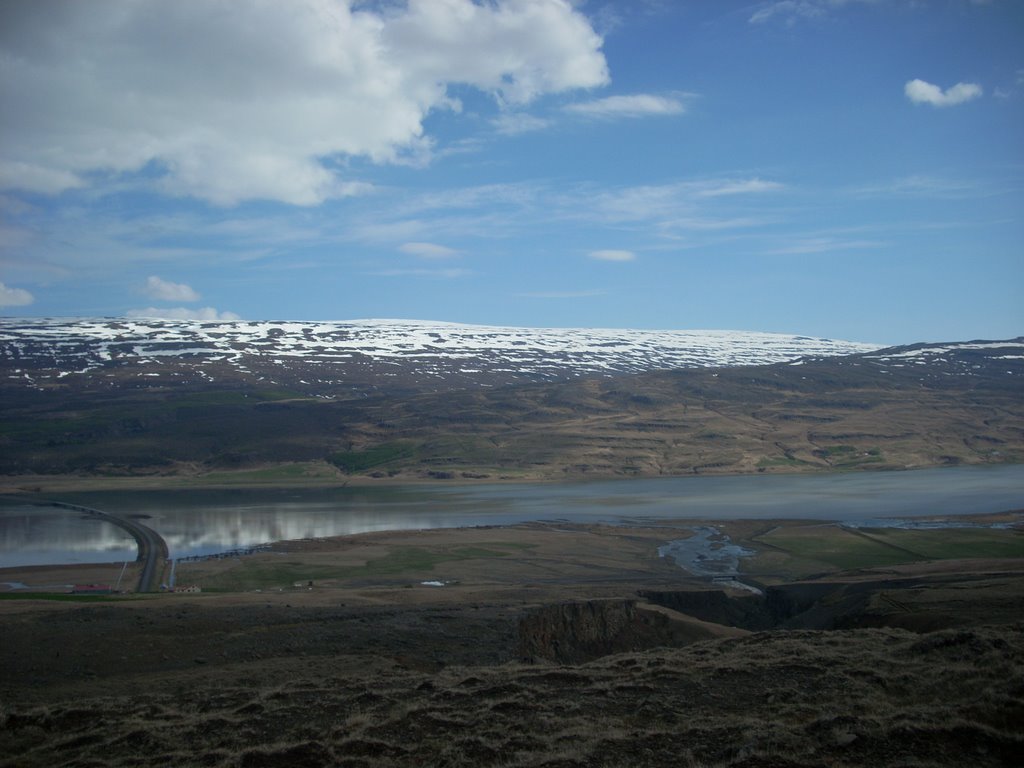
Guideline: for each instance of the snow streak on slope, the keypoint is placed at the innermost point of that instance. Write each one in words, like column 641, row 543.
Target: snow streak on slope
column 320, row 357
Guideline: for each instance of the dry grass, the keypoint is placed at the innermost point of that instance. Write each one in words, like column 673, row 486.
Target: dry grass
column 868, row 697
column 370, row 671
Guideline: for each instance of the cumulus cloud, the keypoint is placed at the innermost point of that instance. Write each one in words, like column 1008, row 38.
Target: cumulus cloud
column 15, row 297
column 164, row 290
column 428, row 250
column 636, row 105
column 921, row 92
column 204, row 315
column 228, row 100
column 612, row 255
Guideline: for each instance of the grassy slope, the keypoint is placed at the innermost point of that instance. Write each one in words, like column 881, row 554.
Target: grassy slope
column 775, row 418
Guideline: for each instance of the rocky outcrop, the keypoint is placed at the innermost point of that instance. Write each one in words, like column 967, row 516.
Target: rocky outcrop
column 572, row 633
column 715, row 605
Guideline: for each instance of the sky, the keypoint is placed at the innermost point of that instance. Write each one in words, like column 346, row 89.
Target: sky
column 850, row 169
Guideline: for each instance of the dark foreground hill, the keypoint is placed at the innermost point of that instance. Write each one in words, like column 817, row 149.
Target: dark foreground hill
column 922, row 405
column 794, row 700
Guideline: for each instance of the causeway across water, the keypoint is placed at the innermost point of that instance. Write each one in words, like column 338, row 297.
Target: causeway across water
column 153, row 551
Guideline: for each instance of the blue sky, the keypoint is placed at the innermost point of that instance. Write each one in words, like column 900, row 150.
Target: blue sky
column 842, row 168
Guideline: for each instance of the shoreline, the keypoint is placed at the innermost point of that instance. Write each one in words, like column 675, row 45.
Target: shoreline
column 30, row 485
column 661, row 536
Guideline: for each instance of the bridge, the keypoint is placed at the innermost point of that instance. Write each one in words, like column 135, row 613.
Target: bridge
column 153, row 552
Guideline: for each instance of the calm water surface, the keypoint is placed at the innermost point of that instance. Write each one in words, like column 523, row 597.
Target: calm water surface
column 207, row 522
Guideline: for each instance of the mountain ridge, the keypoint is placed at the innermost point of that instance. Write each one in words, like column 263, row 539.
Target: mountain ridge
column 345, row 358
column 893, row 408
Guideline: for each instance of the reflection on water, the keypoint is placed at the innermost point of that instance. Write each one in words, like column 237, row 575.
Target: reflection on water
column 200, row 522
column 32, row 535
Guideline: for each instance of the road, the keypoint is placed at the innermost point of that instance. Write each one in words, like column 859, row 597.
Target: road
column 153, row 552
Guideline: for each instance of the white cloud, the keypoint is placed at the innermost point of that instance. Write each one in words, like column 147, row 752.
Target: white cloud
column 930, row 186
column 428, row 250
column 679, row 204
column 636, row 105
column 921, row 92
column 561, row 294
column 696, row 208
column 204, row 315
column 791, row 11
column 446, row 274
column 612, row 255
column 227, row 100
column 164, row 290
column 743, row 187
column 15, row 297
column 808, row 245
column 515, row 123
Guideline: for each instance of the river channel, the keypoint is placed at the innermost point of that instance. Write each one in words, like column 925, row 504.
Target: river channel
column 204, row 522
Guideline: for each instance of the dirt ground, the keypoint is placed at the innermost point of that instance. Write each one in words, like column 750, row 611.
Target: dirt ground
column 918, row 664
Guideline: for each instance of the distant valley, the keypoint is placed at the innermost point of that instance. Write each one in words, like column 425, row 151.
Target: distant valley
column 314, row 402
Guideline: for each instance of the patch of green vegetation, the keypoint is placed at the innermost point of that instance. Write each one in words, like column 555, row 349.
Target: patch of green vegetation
column 782, row 461
column 402, row 559
column 63, row 429
column 60, row 597
column 953, row 543
column 849, row 456
column 252, row 574
column 835, row 547
column 797, row 551
column 298, row 472
column 235, row 397
column 379, row 455
column 833, row 451
column 858, row 461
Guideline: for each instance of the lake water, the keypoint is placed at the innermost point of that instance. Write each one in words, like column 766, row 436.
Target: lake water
column 206, row 522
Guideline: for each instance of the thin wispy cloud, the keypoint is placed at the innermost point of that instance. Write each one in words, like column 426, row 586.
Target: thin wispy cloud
column 428, row 250
column 684, row 203
column 636, row 105
column 515, row 123
column 810, row 245
column 790, row 12
column 932, row 186
column 612, row 255
column 561, row 294
column 446, row 274
column 921, row 92
column 746, row 186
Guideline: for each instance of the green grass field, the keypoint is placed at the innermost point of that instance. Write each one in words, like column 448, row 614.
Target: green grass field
column 414, row 562
column 796, row 551
column 952, row 543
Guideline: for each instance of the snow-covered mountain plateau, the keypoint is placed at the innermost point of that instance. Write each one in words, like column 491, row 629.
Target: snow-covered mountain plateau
column 330, row 358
